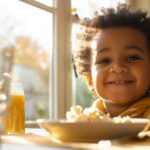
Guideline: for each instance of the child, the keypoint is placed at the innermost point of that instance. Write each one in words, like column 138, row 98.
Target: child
column 114, row 56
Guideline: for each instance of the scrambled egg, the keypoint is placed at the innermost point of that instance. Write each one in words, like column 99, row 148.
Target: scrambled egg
column 77, row 113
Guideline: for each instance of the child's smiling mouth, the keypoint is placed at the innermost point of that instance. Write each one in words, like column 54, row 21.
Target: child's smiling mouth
column 120, row 82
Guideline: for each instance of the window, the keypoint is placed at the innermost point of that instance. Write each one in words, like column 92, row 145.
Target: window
column 34, row 37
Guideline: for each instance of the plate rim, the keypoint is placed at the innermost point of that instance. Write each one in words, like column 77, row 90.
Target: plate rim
column 64, row 121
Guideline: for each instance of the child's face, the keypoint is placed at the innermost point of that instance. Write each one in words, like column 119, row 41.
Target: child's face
column 120, row 65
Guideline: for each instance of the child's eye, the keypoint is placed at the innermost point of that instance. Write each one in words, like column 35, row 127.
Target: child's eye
column 103, row 61
column 133, row 58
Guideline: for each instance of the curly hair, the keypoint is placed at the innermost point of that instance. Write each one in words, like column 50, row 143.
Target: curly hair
column 122, row 16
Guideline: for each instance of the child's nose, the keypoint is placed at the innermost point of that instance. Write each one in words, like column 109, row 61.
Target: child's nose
column 118, row 67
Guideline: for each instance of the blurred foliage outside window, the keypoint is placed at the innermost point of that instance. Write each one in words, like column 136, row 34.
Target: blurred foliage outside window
column 26, row 43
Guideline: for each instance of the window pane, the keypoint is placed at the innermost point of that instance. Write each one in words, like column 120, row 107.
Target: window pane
column 86, row 8
column 46, row 2
column 26, row 42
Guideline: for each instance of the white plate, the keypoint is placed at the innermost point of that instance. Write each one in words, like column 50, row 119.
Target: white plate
column 85, row 131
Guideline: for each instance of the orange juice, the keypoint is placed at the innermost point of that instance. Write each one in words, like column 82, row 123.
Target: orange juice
column 15, row 115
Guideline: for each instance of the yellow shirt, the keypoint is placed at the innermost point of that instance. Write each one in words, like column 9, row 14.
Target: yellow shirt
column 140, row 109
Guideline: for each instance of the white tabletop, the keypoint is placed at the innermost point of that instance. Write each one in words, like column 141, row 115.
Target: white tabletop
column 39, row 139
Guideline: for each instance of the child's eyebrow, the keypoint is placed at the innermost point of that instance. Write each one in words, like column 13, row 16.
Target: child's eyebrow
column 128, row 47
column 101, row 50
column 134, row 47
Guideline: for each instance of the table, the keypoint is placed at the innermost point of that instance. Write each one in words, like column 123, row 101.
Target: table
column 39, row 139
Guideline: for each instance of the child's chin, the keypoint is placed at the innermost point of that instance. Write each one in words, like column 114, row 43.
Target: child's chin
column 122, row 101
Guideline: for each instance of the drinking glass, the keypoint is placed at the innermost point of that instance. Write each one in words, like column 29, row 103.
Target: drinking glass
column 15, row 114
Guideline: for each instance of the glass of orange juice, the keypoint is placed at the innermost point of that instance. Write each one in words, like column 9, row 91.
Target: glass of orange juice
column 15, row 114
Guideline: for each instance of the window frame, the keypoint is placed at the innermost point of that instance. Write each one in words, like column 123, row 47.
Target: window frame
column 60, row 88
column 61, row 61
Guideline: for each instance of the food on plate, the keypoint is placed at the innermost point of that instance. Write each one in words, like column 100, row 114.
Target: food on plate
column 77, row 113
